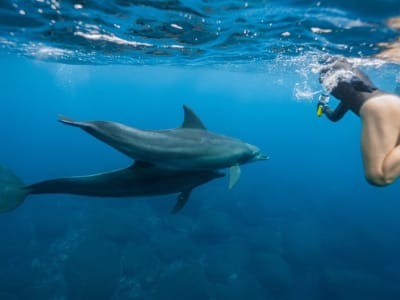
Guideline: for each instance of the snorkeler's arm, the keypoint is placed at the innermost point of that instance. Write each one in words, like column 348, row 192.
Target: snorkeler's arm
column 337, row 114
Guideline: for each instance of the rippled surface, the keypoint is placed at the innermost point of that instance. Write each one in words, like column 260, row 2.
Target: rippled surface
column 196, row 32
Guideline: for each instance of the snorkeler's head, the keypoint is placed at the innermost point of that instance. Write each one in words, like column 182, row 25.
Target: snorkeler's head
column 343, row 81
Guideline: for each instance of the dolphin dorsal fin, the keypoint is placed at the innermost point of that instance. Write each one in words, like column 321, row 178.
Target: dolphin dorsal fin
column 191, row 120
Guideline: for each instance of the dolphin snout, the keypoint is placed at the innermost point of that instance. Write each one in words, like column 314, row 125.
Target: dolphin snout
column 256, row 153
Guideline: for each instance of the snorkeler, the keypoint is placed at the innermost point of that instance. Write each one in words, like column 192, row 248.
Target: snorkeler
column 380, row 116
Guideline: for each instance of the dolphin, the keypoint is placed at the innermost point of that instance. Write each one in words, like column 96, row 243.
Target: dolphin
column 188, row 147
column 136, row 180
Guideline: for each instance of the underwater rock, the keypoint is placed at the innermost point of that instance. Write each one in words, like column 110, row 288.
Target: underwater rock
column 273, row 273
column 347, row 284
column 251, row 213
column 178, row 223
column 50, row 228
column 173, row 245
column 187, row 282
column 141, row 262
column 225, row 260
column 16, row 276
column 364, row 240
column 7, row 296
column 255, row 209
column 16, row 237
column 52, row 219
column 92, row 270
column 213, row 226
column 239, row 287
column 131, row 289
column 266, row 238
column 119, row 226
column 302, row 244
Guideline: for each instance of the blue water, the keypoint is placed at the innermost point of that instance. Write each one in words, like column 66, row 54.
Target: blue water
column 303, row 225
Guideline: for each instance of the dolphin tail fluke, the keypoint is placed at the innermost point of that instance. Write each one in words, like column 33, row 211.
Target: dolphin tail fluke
column 12, row 192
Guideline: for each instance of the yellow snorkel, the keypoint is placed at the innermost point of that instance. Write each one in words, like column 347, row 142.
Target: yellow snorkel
column 320, row 112
column 322, row 102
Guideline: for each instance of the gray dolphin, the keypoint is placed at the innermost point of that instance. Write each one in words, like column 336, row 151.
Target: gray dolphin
column 188, row 147
column 137, row 180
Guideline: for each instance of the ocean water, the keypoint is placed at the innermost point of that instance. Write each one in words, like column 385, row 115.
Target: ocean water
column 303, row 225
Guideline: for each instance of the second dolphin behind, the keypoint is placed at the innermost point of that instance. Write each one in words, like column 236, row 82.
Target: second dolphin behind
column 133, row 181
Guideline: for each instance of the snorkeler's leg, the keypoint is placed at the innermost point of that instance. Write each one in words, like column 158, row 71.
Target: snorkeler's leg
column 380, row 150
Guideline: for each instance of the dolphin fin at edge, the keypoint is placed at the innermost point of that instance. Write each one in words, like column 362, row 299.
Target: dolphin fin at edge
column 234, row 175
column 183, row 198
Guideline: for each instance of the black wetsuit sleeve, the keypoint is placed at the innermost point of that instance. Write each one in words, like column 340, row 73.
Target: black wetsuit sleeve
column 337, row 114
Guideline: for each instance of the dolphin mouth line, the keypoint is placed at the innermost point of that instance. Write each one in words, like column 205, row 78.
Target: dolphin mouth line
column 263, row 157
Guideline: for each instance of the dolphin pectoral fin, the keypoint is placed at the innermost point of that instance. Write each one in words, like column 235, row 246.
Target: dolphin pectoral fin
column 234, row 175
column 181, row 202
